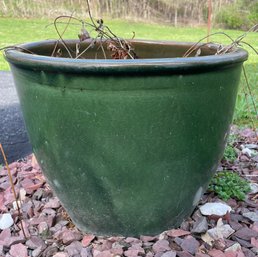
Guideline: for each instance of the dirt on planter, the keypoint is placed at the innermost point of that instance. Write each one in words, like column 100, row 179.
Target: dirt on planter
column 228, row 228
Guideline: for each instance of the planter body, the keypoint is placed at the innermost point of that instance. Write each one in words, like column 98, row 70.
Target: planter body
column 128, row 146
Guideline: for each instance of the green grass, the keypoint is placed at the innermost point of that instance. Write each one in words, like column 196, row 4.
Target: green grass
column 13, row 31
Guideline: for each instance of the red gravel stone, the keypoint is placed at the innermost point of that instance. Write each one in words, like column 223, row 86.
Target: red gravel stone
column 177, row 233
column 19, row 250
column 216, row 253
column 87, row 239
column 161, row 246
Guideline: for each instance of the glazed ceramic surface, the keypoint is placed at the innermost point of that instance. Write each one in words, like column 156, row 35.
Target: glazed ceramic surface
column 129, row 146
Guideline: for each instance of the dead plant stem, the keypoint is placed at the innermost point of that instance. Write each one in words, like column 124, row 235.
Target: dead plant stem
column 56, row 44
column 196, row 45
column 13, row 189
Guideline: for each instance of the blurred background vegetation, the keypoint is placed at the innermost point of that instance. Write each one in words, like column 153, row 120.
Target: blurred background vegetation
column 228, row 14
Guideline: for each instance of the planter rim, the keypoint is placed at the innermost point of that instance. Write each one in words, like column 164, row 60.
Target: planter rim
column 182, row 64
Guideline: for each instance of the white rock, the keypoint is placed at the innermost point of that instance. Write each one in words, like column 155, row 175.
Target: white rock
column 22, row 194
column 254, row 188
column 163, row 236
column 253, row 216
column 235, row 247
column 15, row 207
column 6, row 221
column 219, row 209
column 249, row 152
column 251, row 146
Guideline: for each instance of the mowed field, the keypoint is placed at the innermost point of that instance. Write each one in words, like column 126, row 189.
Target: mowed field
column 15, row 31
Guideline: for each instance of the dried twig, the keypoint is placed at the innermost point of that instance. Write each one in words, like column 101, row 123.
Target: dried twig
column 13, row 189
column 67, row 24
column 197, row 45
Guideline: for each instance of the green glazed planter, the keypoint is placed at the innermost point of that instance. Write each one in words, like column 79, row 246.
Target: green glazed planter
column 129, row 146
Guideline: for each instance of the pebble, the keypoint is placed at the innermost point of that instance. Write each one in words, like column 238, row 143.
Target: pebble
column 53, row 203
column 253, row 216
column 169, row 254
column 252, row 146
column 246, row 234
column 74, row 248
column 190, row 244
column 68, row 236
column 6, row 221
column 161, row 246
column 177, row 232
column 250, row 153
column 87, row 239
column 43, row 227
column 19, row 250
column 254, row 188
column 61, row 254
column 218, row 208
column 235, row 247
column 200, row 226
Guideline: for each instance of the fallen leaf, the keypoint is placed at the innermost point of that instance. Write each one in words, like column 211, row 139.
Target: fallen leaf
column 220, row 231
column 207, row 239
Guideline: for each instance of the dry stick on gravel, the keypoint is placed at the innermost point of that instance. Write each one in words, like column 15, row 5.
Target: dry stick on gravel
column 13, row 189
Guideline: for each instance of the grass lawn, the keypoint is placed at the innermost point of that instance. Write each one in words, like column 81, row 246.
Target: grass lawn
column 13, row 31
